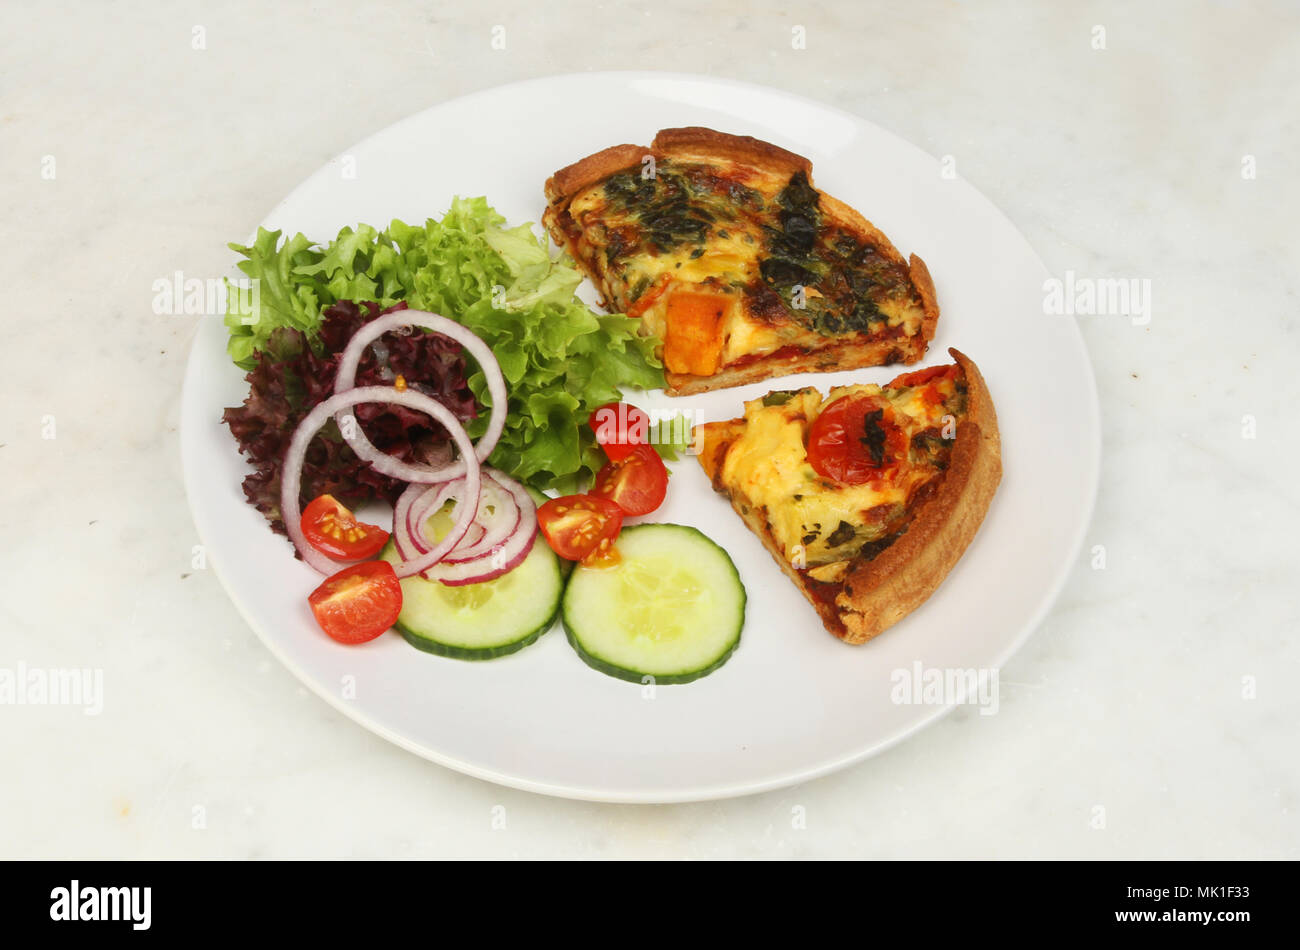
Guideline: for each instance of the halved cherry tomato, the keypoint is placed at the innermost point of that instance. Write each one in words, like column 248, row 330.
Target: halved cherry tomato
column 575, row 525
column 928, row 380
column 856, row 440
column 637, row 484
column 619, row 429
column 922, row 376
column 333, row 530
column 603, row 555
column 359, row 602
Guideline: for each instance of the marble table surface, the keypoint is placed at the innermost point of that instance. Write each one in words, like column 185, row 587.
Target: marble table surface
column 1153, row 714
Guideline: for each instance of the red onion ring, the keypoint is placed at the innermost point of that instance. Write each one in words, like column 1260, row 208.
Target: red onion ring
column 401, row 538
column 524, row 513
column 497, row 526
column 473, row 536
column 291, row 476
column 500, row 558
column 504, row 559
column 416, row 543
column 504, row 543
column 346, row 378
column 408, row 531
column 487, row 532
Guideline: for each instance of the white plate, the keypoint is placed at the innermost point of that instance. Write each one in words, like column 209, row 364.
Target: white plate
column 793, row 702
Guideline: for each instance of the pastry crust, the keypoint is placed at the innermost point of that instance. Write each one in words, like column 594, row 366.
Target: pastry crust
column 709, row 145
column 925, row 286
column 828, row 359
column 876, row 593
column 695, row 141
column 581, row 175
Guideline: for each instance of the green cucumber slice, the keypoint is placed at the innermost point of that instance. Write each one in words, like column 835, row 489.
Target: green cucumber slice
column 482, row 621
column 670, row 612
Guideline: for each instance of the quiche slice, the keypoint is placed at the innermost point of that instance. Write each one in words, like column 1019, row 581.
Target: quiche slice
column 867, row 497
column 721, row 245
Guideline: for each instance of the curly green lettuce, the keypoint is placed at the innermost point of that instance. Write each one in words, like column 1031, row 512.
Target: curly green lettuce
column 560, row 359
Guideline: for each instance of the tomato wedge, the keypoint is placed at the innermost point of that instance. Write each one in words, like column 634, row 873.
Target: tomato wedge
column 358, row 603
column 637, row 483
column 333, row 530
column 856, row 440
column 922, row 376
column 576, row 526
column 619, row 429
column 927, row 380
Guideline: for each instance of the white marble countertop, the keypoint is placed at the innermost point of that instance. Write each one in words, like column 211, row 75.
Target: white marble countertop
column 1159, row 695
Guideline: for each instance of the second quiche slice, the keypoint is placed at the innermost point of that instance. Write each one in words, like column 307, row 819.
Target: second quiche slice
column 728, row 253
column 868, row 496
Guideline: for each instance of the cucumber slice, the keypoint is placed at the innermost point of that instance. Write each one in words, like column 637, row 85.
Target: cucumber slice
column 482, row 621
column 671, row 610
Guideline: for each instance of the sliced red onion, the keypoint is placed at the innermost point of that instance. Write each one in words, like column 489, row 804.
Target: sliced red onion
column 507, row 535
column 488, row 531
column 517, row 507
column 497, row 526
column 291, row 477
column 472, row 537
column 409, row 543
column 402, row 540
column 386, row 464
column 500, row 527
column 509, row 555
column 500, row 558
column 409, row 530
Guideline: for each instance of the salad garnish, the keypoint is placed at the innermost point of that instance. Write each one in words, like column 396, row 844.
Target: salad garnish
column 560, row 359
column 358, row 603
column 637, row 483
column 506, row 519
column 291, row 478
column 581, row 527
column 404, row 321
column 359, row 391
column 290, row 378
column 334, row 530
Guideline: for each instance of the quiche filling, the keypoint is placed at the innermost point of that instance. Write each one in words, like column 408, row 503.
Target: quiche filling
column 906, row 431
column 728, row 263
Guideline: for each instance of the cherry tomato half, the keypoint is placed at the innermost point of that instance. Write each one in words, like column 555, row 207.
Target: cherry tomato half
column 619, row 429
column 359, row 602
column 928, row 381
column 333, row 530
column 576, row 526
column 637, row 483
column 856, row 440
column 922, row 376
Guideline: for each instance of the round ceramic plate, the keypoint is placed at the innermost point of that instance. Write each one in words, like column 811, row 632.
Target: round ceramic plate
column 793, row 702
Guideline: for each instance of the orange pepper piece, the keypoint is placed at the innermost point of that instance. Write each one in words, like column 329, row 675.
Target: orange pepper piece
column 693, row 335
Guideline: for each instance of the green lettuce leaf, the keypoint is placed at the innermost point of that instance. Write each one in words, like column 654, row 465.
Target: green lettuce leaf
column 560, row 359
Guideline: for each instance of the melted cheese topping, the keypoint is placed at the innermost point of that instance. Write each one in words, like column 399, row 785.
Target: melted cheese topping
column 768, row 466
column 725, row 262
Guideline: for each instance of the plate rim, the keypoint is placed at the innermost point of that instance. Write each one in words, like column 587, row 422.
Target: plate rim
column 687, row 793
